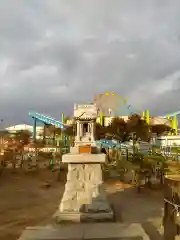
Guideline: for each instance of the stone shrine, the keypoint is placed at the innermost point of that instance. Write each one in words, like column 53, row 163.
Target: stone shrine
column 85, row 116
column 84, row 198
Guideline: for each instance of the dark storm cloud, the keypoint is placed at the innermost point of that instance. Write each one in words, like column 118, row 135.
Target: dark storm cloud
column 54, row 53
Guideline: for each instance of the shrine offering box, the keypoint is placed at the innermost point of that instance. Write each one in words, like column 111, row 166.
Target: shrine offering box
column 85, row 149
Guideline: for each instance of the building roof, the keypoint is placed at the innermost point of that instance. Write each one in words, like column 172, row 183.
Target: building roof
column 84, row 118
column 19, row 127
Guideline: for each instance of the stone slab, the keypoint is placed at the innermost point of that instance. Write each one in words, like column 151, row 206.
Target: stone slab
column 84, row 142
column 74, row 232
column 89, row 231
column 114, row 231
column 83, row 217
column 84, row 158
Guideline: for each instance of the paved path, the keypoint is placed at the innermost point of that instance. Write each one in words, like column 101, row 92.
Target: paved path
column 144, row 208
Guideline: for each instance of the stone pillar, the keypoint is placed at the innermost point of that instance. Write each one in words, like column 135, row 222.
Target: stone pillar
column 92, row 131
column 81, row 129
column 84, row 198
column 78, row 131
column 89, row 128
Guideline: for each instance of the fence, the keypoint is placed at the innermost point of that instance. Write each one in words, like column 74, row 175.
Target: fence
column 171, row 152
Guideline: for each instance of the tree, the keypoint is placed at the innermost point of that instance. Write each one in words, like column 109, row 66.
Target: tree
column 145, row 165
column 22, row 137
column 17, row 143
column 52, row 132
column 39, row 143
column 118, row 129
column 100, row 132
column 122, row 131
column 3, row 138
column 160, row 129
column 70, row 130
column 138, row 126
column 14, row 144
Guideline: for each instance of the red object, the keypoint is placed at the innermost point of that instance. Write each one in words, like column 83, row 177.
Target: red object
column 85, row 149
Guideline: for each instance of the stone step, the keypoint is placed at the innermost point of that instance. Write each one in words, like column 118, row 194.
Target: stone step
column 90, row 231
column 72, row 217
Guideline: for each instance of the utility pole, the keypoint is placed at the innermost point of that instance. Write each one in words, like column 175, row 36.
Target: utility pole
column 133, row 139
column 1, row 137
column 134, row 172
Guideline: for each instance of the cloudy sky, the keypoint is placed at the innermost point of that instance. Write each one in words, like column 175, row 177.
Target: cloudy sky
column 57, row 52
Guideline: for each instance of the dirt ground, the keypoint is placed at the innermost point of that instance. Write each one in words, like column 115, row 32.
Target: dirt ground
column 25, row 201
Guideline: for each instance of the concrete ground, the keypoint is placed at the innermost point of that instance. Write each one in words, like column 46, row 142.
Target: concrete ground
column 145, row 208
column 26, row 200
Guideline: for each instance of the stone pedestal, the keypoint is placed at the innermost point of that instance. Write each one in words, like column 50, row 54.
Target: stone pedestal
column 84, row 197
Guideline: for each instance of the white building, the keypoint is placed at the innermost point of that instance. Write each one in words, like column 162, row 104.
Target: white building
column 108, row 120
column 169, row 141
column 21, row 127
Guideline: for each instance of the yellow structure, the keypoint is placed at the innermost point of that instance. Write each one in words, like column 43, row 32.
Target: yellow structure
column 175, row 124
column 173, row 121
column 101, row 118
column 148, row 116
column 143, row 115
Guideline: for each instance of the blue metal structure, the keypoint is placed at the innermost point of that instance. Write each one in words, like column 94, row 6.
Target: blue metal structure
column 104, row 143
column 46, row 120
column 171, row 114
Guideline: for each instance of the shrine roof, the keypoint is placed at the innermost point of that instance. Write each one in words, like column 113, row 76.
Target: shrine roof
column 84, row 118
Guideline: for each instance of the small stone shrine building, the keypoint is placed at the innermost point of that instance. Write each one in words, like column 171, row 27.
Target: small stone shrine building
column 84, row 198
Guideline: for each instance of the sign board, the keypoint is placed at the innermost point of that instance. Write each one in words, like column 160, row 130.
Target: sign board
column 83, row 111
column 45, row 149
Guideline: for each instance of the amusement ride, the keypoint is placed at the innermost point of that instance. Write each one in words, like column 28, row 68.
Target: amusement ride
column 109, row 105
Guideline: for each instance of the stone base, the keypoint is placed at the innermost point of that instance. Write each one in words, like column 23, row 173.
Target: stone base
column 84, row 158
column 61, row 217
column 89, row 231
column 84, row 198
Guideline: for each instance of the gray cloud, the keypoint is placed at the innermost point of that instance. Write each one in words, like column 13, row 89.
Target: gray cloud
column 55, row 53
